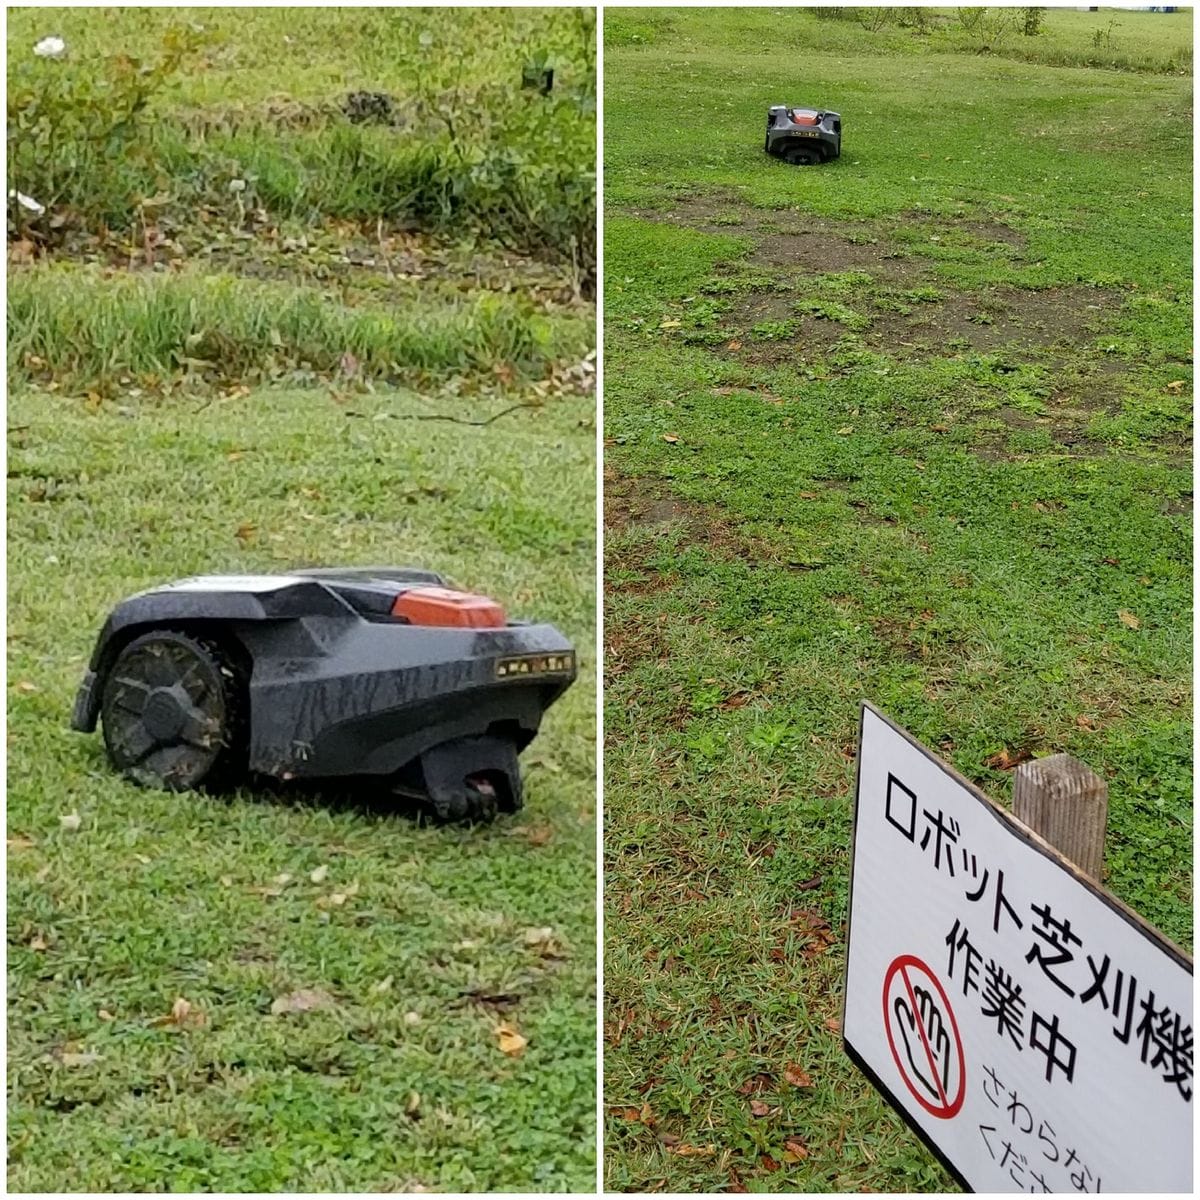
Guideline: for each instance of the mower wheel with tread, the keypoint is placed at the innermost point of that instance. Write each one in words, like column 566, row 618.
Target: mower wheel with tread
column 802, row 156
column 174, row 710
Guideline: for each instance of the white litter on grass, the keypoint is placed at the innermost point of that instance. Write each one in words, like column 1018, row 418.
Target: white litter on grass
column 50, row 47
column 26, row 202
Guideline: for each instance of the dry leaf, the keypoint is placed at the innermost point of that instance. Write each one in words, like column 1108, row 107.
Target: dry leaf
column 70, row 822
column 105, row 1015
column 734, row 345
column 246, row 531
column 413, row 1104
column 37, row 942
column 303, row 1000
column 1127, row 618
column 26, row 686
column 687, row 1150
column 1086, row 722
column 833, row 1024
column 318, row 875
column 1176, row 385
column 768, row 1162
column 797, row 1076
column 794, row 1149
column 756, row 1083
column 536, row 835
column 337, row 899
column 84, row 1059
column 544, row 942
column 759, row 1109
column 511, row 1042
column 384, row 985
column 845, row 431
column 21, row 843
column 1005, row 760
column 671, row 437
column 412, row 1018
column 670, row 324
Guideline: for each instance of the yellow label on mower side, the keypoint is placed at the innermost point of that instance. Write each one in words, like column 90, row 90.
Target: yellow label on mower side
column 535, row 664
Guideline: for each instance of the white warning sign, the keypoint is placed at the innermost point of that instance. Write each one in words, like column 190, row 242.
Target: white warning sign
column 1034, row 1031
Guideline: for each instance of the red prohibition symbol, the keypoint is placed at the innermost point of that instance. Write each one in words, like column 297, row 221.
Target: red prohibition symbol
column 923, row 1036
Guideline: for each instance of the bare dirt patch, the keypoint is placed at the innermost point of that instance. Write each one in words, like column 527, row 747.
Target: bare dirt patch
column 1003, row 318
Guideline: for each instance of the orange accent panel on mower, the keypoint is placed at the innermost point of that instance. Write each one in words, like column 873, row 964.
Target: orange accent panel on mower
column 799, row 118
column 441, row 606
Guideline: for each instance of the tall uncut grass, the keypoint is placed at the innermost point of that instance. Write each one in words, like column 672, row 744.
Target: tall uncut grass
column 90, row 326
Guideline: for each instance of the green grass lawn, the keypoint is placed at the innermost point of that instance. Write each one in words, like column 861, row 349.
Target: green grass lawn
column 400, row 1082
column 914, row 426
column 350, row 357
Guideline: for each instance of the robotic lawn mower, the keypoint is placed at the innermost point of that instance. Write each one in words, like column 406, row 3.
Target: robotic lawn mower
column 803, row 137
column 323, row 674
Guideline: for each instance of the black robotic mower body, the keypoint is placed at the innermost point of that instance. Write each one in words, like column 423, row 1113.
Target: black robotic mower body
column 803, row 137
column 321, row 674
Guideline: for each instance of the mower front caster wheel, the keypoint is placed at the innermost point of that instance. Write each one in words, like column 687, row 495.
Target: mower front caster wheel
column 173, row 709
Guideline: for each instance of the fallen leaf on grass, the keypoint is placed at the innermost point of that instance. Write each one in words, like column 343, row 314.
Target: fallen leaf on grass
column 183, row 1015
column 1176, row 385
column 626, row 1114
column 687, row 1150
column 1006, row 760
column 1127, row 618
column 70, row 822
column 755, row 1084
column 412, row 1105
column 511, row 1042
column 105, row 1015
column 759, row 1109
column 300, row 1001
column 768, row 1162
column 81, row 1059
column 337, row 899
column 384, row 985
column 794, row 1149
column 37, row 942
column 670, row 324
column 797, row 1076
column 535, row 835
column 318, row 874
column 26, row 686
column 246, row 532
column 21, row 843
column 544, row 942
column 734, row 345
column 833, row 1024
column 671, row 437
column 845, row 431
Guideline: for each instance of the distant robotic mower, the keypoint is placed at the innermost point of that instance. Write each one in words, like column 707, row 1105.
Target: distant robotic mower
column 323, row 674
column 803, row 137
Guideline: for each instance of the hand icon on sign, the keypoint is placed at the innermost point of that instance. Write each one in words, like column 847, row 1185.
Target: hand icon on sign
column 926, row 1042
